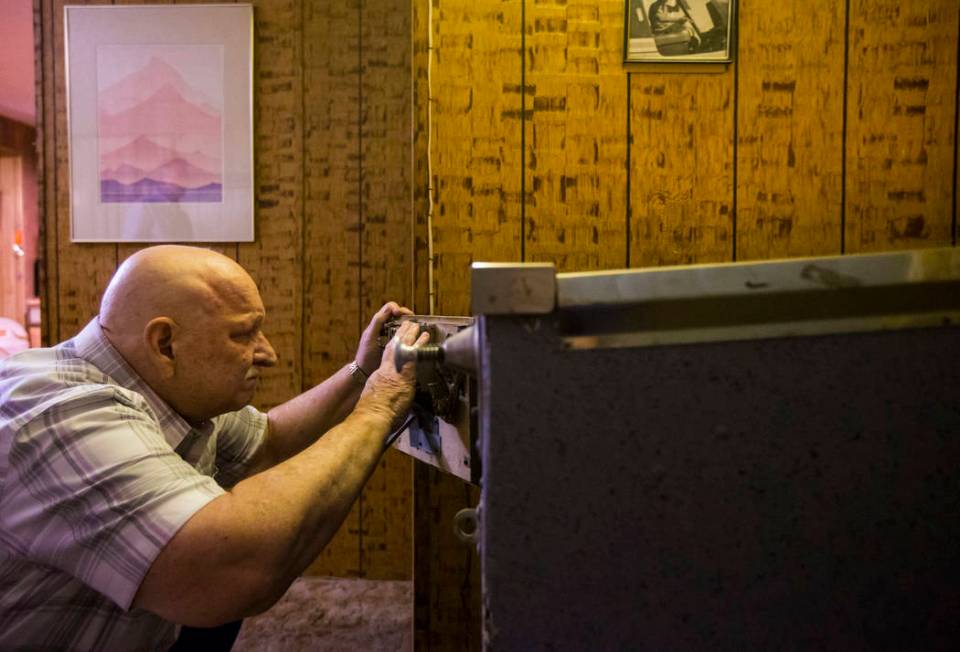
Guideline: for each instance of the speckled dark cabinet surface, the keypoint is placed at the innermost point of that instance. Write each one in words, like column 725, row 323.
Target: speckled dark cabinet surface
column 785, row 494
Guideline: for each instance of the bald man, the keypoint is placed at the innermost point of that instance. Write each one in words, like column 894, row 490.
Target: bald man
column 138, row 490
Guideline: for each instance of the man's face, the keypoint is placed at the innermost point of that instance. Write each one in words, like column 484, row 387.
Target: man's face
column 222, row 356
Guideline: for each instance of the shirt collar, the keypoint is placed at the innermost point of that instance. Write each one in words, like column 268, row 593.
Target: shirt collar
column 94, row 347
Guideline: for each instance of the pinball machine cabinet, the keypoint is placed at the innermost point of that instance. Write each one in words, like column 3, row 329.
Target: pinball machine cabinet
column 723, row 457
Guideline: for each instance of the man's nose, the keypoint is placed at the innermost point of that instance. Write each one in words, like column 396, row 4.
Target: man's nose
column 264, row 355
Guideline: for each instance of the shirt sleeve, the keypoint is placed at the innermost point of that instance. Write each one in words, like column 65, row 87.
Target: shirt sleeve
column 93, row 489
column 239, row 436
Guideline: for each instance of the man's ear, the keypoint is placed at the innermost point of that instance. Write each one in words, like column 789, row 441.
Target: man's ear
column 158, row 337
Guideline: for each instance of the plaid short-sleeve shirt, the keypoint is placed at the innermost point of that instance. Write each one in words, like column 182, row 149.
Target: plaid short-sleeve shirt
column 97, row 474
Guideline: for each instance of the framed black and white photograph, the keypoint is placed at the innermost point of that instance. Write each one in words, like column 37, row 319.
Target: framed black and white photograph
column 679, row 30
column 160, row 120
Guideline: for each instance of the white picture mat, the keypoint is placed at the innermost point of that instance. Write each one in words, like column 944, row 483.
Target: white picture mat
column 227, row 26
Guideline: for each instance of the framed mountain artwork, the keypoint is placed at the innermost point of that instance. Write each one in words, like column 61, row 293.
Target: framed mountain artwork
column 160, row 120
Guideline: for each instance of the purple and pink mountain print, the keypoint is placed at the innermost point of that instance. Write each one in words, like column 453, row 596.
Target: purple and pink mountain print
column 160, row 139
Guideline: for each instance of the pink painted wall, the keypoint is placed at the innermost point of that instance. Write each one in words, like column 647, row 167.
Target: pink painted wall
column 17, row 95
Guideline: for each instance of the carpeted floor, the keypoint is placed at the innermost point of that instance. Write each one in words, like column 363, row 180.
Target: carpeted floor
column 326, row 613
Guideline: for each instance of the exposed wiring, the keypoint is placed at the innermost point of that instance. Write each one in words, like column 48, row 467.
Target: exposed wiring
column 430, row 289
column 392, row 437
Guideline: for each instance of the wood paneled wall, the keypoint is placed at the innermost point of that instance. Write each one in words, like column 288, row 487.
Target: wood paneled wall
column 834, row 131
column 333, row 213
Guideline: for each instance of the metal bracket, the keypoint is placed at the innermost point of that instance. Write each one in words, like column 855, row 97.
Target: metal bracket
column 513, row 288
column 425, row 432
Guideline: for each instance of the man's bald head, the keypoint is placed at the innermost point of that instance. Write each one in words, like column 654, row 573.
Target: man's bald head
column 188, row 321
column 172, row 281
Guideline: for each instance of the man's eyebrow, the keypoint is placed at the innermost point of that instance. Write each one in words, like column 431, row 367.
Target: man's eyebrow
column 251, row 321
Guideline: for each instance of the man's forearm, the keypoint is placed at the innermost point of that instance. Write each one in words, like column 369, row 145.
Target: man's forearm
column 299, row 422
column 307, row 497
column 259, row 537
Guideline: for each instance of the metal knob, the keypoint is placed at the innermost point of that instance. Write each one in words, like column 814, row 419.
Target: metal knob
column 404, row 353
column 458, row 350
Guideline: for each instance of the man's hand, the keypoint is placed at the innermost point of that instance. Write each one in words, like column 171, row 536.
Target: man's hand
column 296, row 424
column 388, row 394
column 369, row 352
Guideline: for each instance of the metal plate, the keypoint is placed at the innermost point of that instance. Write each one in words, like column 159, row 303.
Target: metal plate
column 810, row 296
column 512, row 288
column 446, row 443
column 791, row 493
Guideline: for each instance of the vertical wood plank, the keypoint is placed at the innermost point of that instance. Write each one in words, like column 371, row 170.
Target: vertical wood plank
column 331, row 241
column 386, row 520
column 476, row 113
column 274, row 258
column 900, row 137
column 83, row 270
column 790, row 128
column 956, row 143
column 447, row 602
column 420, row 174
column 47, row 165
column 386, row 273
column 576, row 134
column 681, row 167
column 476, row 134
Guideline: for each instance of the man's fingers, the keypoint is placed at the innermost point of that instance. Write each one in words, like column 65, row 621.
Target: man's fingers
column 388, row 311
column 394, row 309
column 406, row 333
column 382, row 316
column 410, row 333
column 390, row 308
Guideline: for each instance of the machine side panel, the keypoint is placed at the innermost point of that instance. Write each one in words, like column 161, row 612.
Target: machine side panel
column 777, row 494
